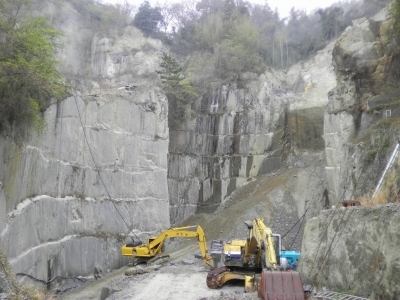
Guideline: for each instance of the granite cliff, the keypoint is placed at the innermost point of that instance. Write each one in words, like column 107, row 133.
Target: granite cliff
column 107, row 167
column 353, row 249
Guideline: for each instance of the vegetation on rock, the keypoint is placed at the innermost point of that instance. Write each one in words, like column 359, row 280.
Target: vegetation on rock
column 28, row 67
column 222, row 39
column 104, row 17
column 395, row 11
column 178, row 90
column 148, row 18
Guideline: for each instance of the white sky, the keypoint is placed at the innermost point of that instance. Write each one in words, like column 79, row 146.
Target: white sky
column 283, row 6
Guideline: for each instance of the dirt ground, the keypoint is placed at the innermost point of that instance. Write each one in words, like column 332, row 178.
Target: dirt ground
column 182, row 277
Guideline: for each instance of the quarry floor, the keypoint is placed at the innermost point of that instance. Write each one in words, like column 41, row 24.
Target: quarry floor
column 183, row 277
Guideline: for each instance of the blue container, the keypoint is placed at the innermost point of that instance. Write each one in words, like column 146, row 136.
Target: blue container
column 292, row 258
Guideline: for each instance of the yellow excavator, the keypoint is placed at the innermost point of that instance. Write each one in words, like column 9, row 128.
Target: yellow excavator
column 152, row 250
column 257, row 261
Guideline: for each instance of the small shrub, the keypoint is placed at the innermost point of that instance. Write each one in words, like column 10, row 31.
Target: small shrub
column 379, row 199
column 388, row 123
column 371, row 154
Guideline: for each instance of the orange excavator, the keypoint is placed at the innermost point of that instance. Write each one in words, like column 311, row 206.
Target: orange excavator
column 257, row 261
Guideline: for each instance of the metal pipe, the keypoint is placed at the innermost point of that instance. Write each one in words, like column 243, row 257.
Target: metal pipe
column 388, row 166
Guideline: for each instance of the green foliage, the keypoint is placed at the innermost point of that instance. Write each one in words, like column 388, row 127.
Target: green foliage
column 232, row 39
column 371, row 154
column 103, row 17
column 147, row 18
column 331, row 23
column 278, row 43
column 179, row 92
column 28, row 68
column 237, row 52
column 170, row 72
column 395, row 12
column 210, row 33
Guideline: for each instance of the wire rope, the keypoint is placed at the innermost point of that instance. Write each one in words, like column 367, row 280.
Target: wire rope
column 98, row 171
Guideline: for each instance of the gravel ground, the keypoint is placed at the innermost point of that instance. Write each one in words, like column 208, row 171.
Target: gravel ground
column 183, row 277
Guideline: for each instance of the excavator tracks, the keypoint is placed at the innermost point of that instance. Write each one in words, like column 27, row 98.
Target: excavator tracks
column 213, row 281
column 158, row 260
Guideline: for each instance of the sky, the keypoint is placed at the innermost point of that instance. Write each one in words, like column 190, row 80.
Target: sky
column 283, row 6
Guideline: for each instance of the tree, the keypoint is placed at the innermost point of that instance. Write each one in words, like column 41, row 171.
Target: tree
column 395, row 13
column 331, row 25
column 104, row 18
column 147, row 18
column 237, row 52
column 208, row 7
column 28, row 66
column 170, row 72
column 304, row 35
column 179, row 91
column 268, row 23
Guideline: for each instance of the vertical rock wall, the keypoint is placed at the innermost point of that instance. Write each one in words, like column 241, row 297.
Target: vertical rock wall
column 82, row 184
column 73, row 193
column 362, row 58
column 242, row 133
column 227, row 144
column 355, row 250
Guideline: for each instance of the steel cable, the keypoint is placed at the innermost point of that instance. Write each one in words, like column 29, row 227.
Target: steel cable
column 98, row 171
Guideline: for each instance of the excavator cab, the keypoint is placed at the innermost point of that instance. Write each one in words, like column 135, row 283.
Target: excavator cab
column 259, row 262
column 133, row 243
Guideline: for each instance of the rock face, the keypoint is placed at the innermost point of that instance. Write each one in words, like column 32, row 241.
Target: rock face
column 363, row 57
column 72, row 194
column 354, row 249
column 106, row 163
column 242, row 133
column 223, row 148
column 81, row 186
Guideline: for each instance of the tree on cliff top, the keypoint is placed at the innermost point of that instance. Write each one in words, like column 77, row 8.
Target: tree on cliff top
column 178, row 90
column 148, row 18
column 28, row 67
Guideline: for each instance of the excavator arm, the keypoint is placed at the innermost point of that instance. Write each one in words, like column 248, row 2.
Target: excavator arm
column 155, row 245
column 263, row 235
column 256, row 261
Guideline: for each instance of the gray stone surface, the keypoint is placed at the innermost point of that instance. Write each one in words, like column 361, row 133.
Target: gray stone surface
column 111, row 140
column 361, row 57
column 242, row 133
column 354, row 249
column 57, row 204
column 73, row 194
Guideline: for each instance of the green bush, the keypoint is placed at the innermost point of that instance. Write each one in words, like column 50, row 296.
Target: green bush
column 28, row 68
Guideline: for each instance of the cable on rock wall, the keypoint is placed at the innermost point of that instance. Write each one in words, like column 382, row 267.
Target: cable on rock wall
column 329, row 252
column 98, row 170
column 50, row 281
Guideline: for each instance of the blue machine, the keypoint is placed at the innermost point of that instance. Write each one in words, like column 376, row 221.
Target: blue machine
column 292, row 258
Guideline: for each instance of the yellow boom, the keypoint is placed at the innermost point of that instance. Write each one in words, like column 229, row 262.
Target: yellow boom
column 155, row 245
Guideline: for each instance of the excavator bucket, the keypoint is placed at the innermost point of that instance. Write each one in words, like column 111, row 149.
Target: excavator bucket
column 277, row 285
